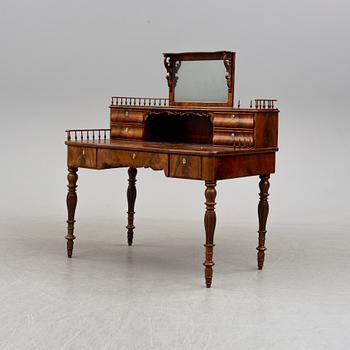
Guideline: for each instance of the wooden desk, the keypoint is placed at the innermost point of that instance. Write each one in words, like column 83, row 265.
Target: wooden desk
column 196, row 134
column 94, row 149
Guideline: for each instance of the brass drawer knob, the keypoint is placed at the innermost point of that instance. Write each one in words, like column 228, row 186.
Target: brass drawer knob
column 184, row 161
column 83, row 152
column 133, row 156
column 126, row 129
column 126, row 113
column 233, row 116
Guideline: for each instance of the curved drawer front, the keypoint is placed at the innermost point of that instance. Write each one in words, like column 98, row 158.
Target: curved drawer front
column 108, row 158
column 233, row 138
column 234, row 120
column 126, row 115
column 126, row 131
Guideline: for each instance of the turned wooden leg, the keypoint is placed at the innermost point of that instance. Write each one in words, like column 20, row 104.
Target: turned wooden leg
column 263, row 211
column 71, row 205
column 209, row 224
column 131, row 194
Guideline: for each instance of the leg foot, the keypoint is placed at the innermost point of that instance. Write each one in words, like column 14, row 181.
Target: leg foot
column 263, row 211
column 71, row 205
column 209, row 224
column 131, row 195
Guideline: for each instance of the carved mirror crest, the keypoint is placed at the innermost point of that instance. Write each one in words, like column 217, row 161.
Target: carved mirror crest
column 200, row 78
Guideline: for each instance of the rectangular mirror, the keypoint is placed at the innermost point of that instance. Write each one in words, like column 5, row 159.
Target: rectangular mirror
column 200, row 78
column 202, row 81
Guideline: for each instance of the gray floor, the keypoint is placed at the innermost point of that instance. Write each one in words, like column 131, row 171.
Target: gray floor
column 152, row 295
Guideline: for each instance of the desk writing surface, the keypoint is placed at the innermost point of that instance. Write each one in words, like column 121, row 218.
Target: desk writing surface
column 164, row 147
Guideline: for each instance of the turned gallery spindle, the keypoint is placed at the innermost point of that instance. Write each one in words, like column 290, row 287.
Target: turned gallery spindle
column 209, row 224
column 264, row 103
column 71, row 205
column 131, row 195
column 263, row 211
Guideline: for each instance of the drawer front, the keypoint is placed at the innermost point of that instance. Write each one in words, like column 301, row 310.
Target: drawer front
column 233, row 138
column 185, row 166
column 108, row 158
column 126, row 115
column 81, row 157
column 234, row 120
column 126, row 131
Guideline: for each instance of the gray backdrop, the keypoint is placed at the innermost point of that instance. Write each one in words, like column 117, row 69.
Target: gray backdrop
column 60, row 61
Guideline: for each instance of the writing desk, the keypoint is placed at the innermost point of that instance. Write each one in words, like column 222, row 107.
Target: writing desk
column 207, row 143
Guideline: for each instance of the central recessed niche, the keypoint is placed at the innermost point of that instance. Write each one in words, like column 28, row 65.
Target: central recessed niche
column 182, row 128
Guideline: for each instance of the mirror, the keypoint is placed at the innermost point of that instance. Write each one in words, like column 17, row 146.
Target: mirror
column 202, row 81
column 200, row 78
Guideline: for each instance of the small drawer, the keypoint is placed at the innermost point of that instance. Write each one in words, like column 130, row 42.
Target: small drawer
column 234, row 120
column 185, row 166
column 109, row 158
column 233, row 138
column 81, row 157
column 126, row 115
column 126, row 131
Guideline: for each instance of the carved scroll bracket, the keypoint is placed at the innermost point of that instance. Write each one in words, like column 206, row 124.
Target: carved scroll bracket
column 169, row 68
column 177, row 67
column 228, row 65
column 172, row 67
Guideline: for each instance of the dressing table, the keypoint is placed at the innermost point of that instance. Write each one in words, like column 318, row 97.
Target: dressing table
column 196, row 133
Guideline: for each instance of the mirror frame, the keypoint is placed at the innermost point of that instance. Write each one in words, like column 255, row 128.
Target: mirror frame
column 172, row 62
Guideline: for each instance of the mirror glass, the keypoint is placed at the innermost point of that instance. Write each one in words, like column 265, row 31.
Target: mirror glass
column 202, row 81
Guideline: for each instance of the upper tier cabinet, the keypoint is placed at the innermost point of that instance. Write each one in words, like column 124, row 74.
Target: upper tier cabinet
column 201, row 78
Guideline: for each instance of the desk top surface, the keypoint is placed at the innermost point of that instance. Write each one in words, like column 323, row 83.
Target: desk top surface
column 164, row 147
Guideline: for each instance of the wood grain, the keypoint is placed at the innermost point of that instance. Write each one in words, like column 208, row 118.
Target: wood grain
column 109, row 158
column 127, row 115
column 185, row 166
column 266, row 129
column 234, row 120
column 230, row 167
column 81, row 157
column 127, row 130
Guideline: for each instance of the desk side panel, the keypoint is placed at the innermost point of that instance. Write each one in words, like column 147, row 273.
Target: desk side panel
column 266, row 129
column 244, row 165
